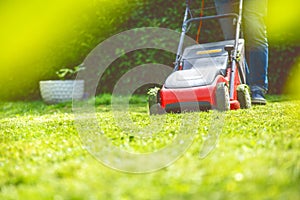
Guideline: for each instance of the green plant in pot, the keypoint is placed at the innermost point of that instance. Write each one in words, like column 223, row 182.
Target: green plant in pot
column 65, row 89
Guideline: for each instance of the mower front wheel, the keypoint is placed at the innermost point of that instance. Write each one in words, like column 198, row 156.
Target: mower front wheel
column 243, row 96
column 222, row 97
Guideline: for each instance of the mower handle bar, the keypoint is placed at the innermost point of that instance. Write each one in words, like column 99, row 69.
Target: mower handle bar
column 196, row 19
column 186, row 23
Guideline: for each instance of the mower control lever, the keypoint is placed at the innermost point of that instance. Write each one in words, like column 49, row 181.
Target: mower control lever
column 229, row 49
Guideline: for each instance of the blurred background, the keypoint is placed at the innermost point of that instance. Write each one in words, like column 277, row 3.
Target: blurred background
column 40, row 37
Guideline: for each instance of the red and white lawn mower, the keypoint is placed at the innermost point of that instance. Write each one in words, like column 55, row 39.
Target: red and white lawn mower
column 206, row 76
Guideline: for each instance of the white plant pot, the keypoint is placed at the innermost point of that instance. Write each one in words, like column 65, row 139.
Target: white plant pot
column 57, row 91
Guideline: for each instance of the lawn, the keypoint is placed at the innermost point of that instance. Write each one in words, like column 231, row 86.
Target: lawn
column 257, row 155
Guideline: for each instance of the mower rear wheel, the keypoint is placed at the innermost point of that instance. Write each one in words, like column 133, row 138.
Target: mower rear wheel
column 222, row 97
column 243, row 96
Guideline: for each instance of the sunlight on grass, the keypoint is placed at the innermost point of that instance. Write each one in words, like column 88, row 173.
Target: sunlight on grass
column 140, row 133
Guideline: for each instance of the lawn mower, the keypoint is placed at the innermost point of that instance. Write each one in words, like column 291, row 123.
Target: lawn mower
column 205, row 76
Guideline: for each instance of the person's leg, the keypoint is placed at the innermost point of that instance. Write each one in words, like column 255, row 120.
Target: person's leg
column 254, row 13
column 222, row 7
column 255, row 33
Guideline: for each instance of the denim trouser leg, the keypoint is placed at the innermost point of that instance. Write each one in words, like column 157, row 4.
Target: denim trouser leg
column 255, row 33
column 222, row 7
column 254, row 12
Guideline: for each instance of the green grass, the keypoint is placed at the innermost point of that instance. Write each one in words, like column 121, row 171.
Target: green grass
column 257, row 156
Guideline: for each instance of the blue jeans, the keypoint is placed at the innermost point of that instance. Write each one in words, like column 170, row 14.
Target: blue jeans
column 255, row 34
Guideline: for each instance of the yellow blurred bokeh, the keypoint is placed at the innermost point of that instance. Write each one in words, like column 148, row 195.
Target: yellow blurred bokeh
column 292, row 86
column 31, row 26
column 36, row 35
column 283, row 20
column 284, row 30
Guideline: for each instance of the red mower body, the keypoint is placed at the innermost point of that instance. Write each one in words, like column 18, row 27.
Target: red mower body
column 194, row 86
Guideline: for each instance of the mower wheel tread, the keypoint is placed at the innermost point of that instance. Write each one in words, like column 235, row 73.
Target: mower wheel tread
column 222, row 97
column 243, row 95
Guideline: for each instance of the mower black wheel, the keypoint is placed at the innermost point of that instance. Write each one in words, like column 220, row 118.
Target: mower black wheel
column 243, row 96
column 222, row 97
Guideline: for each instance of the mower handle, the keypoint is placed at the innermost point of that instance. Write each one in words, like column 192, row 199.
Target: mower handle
column 196, row 19
column 186, row 21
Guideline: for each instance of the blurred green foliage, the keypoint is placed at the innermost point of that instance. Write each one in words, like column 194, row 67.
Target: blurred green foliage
column 40, row 37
